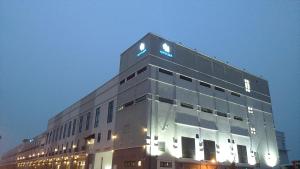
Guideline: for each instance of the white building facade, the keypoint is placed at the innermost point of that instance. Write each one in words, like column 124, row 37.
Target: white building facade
column 169, row 107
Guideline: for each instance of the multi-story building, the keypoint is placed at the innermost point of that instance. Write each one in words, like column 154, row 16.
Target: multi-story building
column 282, row 150
column 169, row 107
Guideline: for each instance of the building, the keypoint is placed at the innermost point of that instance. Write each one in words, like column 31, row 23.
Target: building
column 283, row 152
column 169, row 107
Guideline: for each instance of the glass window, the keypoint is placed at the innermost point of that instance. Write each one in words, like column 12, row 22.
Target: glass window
column 99, row 137
column 97, row 117
column 209, row 150
column 65, row 129
column 108, row 134
column 165, row 71
column 142, row 70
column 69, row 128
column 74, row 127
column 80, row 124
column 110, row 111
column 87, row 124
column 242, row 153
column 185, row 78
column 205, row 84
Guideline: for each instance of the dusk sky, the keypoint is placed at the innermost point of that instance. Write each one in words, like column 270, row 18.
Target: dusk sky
column 54, row 52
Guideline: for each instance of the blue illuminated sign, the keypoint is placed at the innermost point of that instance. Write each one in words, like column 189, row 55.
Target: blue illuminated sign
column 142, row 49
column 166, row 50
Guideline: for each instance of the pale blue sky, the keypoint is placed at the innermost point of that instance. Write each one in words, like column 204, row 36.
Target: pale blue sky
column 54, row 52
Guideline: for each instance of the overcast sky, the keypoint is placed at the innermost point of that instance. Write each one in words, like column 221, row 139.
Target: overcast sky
column 54, row 52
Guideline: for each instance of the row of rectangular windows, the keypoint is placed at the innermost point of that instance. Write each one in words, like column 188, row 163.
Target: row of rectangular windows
column 67, row 129
column 203, row 109
column 133, row 75
column 65, row 148
column 201, row 83
column 130, row 103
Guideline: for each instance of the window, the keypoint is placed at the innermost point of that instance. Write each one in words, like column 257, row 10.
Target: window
column 53, row 137
column 209, row 150
column 80, row 124
column 221, row 114
column 129, row 163
column 57, row 132
column 99, row 137
column 87, row 124
column 238, row 118
column 185, row 78
column 165, row 100
column 165, row 71
column 205, row 84
column 235, row 94
column 142, row 70
column 74, row 127
column 122, row 81
column 188, row 147
column 96, row 124
column 65, row 129
column 141, row 99
column 186, row 105
column 242, row 153
column 109, row 135
column 69, row 128
column 131, row 76
column 165, row 164
column 128, row 104
column 60, row 132
column 110, row 111
column 206, row 110
column 252, row 130
column 250, row 110
column 197, row 135
column 247, row 85
column 219, row 89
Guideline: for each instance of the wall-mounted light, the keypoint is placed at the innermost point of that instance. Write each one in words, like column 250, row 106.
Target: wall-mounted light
column 271, row 160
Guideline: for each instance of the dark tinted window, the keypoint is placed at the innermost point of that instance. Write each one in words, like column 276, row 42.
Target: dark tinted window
column 142, row 70
column 235, row 94
column 188, row 147
column 141, row 99
column 165, row 71
column 122, row 81
column 165, row 100
column 221, row 114
column 108, row 134
column 219, row 89
column 131, row 76
column 238, row 118
column 96, row 124
column 80, row 124
column 74, row 127
column 206, row 110
column 128, row 104
column 185, row 78
column 69, row 128
column 110, row 111
column 209, row 150
column 98, row 137
column 242, row 153
column 65, row 129
column 205, row 84
column 88, row 118
column 186, row 105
